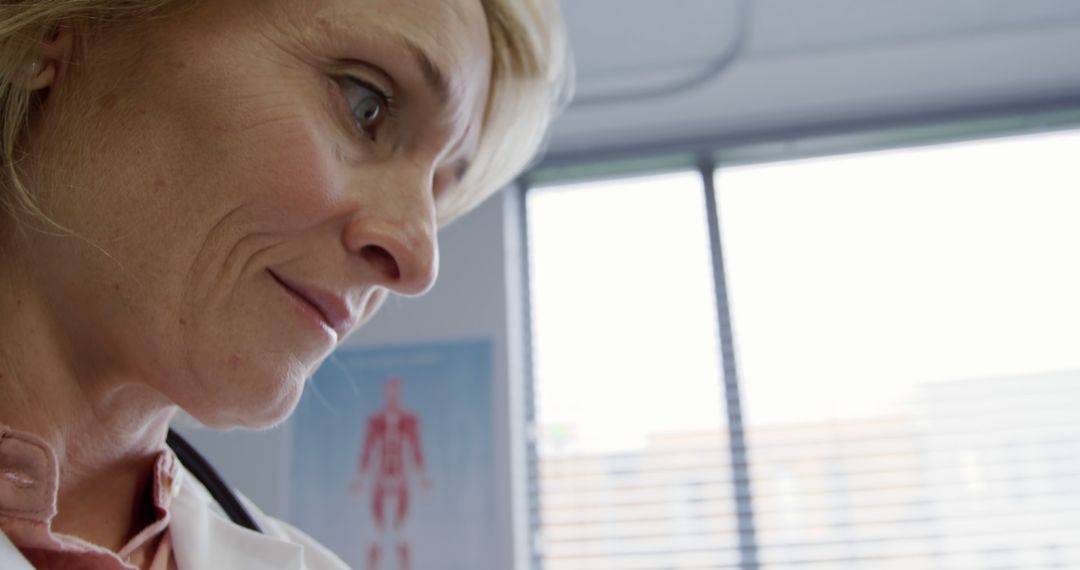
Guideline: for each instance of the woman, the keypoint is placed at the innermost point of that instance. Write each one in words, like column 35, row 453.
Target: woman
column 201, row 200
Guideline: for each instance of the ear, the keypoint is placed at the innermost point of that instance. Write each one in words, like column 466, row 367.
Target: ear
column 52, row 59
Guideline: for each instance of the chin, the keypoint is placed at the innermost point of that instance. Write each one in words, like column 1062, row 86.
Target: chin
column 249, row 401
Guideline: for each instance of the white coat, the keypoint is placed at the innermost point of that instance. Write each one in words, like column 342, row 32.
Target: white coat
column 203, row 538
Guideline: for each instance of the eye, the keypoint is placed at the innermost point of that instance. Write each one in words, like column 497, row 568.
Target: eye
column 369, row 104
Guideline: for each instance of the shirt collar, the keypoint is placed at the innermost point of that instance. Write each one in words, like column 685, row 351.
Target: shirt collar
column 29, row 480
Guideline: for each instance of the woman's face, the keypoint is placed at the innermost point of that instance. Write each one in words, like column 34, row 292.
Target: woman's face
column 250, row 177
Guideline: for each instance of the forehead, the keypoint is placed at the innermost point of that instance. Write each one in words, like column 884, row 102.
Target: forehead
column 441, row 47
column 449, row 36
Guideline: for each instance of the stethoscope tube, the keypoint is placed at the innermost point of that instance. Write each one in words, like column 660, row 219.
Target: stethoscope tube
column 201, row 469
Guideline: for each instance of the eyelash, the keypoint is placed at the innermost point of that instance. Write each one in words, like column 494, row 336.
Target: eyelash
column 387, row 103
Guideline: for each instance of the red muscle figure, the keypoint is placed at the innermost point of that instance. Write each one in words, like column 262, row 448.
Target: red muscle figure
column 389, row 435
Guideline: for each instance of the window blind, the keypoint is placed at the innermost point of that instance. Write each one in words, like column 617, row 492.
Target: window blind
column 906, row 330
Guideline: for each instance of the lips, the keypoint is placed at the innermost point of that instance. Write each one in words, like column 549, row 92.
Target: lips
column 333, row 310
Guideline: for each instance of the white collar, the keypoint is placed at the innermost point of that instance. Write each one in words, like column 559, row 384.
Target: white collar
column 10, row 557
column 204, row 538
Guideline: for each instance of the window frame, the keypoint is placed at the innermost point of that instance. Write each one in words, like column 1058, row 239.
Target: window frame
column 707, row 158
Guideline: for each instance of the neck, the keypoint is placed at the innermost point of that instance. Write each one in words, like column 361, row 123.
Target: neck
column 105, row 426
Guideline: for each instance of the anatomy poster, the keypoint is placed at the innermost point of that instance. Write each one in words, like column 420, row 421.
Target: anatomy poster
column 391, row 457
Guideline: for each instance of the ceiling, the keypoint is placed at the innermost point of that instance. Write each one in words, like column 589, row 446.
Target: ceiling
column 652, row 74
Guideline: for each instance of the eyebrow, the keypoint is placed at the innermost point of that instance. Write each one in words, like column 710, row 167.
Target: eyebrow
column 434, row 76
column 437, row 81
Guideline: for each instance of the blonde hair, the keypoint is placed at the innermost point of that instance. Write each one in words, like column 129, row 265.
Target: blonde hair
column 528, row 83
column 24, row 25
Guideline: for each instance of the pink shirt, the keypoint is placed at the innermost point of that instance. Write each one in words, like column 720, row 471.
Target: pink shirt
column 29, row 479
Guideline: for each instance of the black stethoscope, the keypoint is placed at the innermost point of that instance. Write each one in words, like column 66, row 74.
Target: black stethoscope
column 201, row 469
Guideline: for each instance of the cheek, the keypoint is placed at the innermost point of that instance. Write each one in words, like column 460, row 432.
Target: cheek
column 296, row 174
column 286, row 181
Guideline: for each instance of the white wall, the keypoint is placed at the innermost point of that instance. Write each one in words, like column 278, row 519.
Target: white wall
column 477, row 296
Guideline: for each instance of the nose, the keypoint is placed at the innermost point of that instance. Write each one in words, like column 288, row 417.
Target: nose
column 394, row 238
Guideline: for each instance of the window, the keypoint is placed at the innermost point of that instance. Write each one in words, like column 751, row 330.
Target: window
column 632, row 451
column 906, row 331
